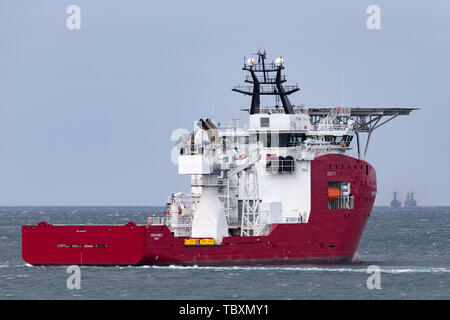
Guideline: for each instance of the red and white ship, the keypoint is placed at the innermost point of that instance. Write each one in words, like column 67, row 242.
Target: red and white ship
column 278, row 190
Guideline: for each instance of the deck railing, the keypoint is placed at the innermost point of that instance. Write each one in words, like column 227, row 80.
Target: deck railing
column 341, row 203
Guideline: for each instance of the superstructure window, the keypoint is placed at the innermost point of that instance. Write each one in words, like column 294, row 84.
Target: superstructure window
column 281, row 140
column 339, row 139
column 264, row 122
column 264, row 138
column 279, row 164
column 347, row 140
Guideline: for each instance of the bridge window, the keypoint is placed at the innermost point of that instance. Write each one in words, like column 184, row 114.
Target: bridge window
column 281, row 140
column 345, row 140
column 290, row 139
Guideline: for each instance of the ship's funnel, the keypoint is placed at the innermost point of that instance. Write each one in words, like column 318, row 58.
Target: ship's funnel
column 202, row 124
column 211, row 124
column 209, row 216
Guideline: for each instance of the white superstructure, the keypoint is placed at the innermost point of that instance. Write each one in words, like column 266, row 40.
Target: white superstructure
column 245, row 178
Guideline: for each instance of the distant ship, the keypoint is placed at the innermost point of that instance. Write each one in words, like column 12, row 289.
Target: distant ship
column 410, row 202
column 395, row 203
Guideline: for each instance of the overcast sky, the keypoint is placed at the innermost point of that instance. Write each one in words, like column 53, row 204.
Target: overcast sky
column 86, row 115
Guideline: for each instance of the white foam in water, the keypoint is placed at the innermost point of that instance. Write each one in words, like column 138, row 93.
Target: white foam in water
column 356, row 257
column 309, row 269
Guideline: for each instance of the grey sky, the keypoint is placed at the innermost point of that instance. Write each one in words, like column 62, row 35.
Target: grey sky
column 86, row 115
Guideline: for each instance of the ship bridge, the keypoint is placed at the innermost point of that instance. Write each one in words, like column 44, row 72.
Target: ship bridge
column 334, row 125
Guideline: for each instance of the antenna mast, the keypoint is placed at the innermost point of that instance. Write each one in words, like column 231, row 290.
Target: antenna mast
column 267, row 80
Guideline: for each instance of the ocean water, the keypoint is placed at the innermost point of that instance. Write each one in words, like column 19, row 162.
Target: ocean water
column 411, row 247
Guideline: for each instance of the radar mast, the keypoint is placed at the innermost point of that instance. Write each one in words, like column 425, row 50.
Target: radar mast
column 267, row 80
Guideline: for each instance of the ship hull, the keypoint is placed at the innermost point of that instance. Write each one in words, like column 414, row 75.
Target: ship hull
column 330, row 235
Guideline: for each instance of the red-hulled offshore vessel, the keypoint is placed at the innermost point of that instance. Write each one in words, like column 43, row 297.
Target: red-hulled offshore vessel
column 278, row 190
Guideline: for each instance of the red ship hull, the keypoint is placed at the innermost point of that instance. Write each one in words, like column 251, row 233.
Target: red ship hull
column 330, row 235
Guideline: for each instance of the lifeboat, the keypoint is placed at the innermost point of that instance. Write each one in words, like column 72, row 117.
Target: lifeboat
column 333, row 193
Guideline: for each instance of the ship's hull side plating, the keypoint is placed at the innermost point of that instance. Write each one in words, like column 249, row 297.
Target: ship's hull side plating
column 330, row 235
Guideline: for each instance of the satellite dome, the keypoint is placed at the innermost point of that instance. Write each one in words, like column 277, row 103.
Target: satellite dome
column 250, row 62
column 279, row 62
